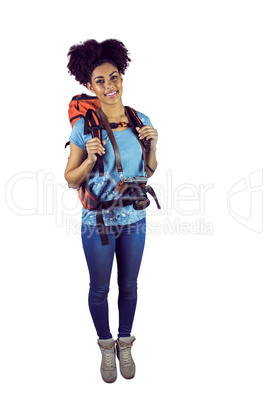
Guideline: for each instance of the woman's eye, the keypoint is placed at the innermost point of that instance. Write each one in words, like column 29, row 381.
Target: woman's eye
column 101, row 81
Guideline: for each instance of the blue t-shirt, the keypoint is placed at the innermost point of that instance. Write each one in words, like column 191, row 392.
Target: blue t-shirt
column 104, row 186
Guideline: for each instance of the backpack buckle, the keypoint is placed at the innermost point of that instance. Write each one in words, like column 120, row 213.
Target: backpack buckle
column 93, row 128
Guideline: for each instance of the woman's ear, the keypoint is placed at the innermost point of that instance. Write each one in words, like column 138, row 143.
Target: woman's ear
column 90, row 87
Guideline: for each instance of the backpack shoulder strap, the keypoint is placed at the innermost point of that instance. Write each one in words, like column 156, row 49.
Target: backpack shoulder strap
column 134, row 115
column 135, row 121
column 92, row 124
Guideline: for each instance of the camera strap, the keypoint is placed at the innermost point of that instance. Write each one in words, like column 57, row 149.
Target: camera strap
column 110, row 133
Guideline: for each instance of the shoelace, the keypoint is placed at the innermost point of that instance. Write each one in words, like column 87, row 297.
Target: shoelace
column 126, row 356
column 108, row 359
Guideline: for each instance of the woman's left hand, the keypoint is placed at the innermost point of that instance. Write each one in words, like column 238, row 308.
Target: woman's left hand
column 148, row 133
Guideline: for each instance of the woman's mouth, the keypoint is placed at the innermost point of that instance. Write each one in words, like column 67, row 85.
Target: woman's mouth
column 111, row 94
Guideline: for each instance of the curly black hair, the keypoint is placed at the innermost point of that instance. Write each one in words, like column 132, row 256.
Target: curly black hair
column 85, row 56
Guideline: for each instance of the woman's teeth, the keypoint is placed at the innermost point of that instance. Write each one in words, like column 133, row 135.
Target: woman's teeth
column 111, row 94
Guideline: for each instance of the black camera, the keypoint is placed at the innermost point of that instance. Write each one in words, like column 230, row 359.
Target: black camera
column 137, row 191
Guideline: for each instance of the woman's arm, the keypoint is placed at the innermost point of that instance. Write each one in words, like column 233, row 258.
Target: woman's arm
column 78, row 166
column 149, row 133
column 151, row 162
column 81, row 163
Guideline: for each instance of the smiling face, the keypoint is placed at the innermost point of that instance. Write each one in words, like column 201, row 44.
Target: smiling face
column 106, row 83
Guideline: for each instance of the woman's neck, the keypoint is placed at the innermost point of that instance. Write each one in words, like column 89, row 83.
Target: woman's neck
column 114, row 113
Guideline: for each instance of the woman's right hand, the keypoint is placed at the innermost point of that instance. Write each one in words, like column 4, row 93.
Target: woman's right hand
column 94, row 148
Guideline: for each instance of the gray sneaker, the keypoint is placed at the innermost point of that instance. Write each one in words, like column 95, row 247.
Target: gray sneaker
column 127, row 365
column 108, row 365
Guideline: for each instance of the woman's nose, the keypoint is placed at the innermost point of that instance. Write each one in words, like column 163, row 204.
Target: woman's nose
column 109, row 84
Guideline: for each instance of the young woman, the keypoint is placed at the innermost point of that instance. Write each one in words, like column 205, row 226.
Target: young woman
column 99, row 67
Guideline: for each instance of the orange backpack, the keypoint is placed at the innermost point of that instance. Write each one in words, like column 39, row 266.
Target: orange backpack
column 79, row 106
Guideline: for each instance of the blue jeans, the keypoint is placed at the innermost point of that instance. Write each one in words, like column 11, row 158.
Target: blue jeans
column 127, row 243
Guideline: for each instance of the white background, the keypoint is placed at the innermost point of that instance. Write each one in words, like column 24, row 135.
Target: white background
column 199, row 72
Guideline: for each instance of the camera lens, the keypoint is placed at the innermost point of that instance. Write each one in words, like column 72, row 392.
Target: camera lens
column 141, row 204
column 138, row 196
